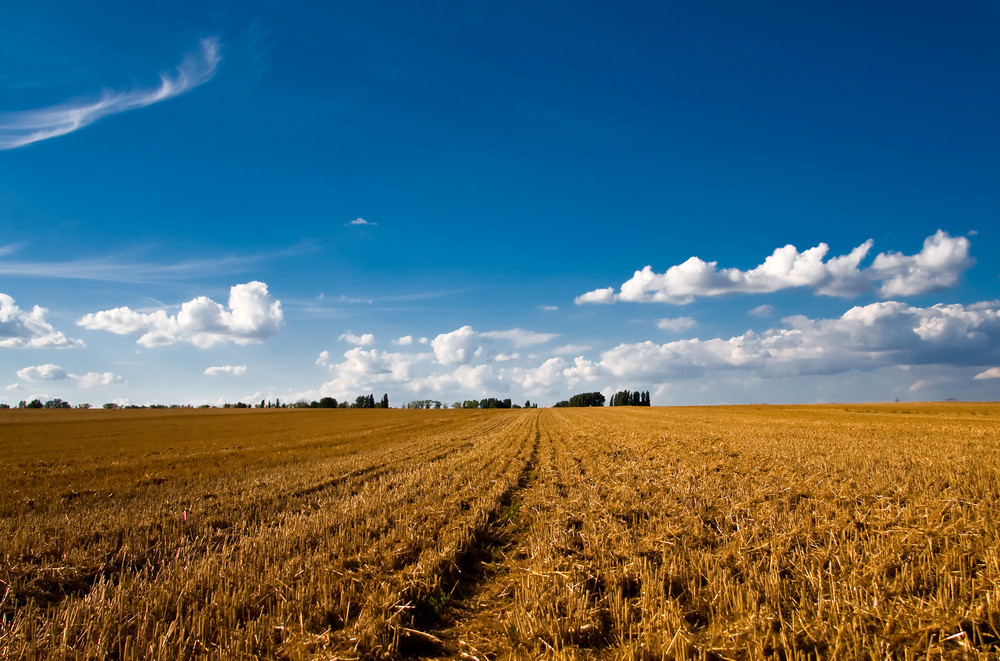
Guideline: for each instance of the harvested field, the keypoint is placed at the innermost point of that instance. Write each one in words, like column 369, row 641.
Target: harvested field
column 858, row 531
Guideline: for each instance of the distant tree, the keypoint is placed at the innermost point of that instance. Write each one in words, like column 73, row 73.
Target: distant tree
column 561, row 404
column 327, row 403
column 35, row 404
column 628, row 398
column 385, row 401
column 4, row 406
column 494, row 403
column 587, row 399
column 111, row 405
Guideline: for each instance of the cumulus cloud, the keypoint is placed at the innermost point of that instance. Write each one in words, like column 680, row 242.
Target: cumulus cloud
column 938, row 265
column 894, row 344
column 98, row 379
column 50, row 372
column 362, row 221
column 366, row 369
column 324, row 358
column 364, row 340
column 18, row 129
column 456, row 347
column 47, row 372
column 866, row 337
column 404, row 341
column 29, row 329
column 252, row 316
column 461, row 346
column 676, row 324
column 762, row 311
column 220, row 370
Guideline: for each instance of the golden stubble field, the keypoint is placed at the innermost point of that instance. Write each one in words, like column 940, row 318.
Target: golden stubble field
column 852, row 532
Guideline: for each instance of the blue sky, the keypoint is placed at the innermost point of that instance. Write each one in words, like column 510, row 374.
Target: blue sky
column 716, row 202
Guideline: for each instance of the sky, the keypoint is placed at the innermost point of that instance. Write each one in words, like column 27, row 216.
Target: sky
column 720, row 203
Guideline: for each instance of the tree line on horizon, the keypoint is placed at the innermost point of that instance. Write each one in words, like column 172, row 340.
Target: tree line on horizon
column 587, row 399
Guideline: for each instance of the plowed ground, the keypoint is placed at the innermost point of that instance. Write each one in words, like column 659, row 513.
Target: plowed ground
column 711, row 533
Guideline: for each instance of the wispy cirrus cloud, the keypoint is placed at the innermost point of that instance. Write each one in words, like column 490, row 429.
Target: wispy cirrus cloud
column 18, row 129
column 124, row 267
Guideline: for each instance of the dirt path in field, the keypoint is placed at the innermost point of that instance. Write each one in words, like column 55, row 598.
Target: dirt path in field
column 473, row 623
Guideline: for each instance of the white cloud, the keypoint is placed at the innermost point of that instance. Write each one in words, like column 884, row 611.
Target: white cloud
column 583, row 370
column 219, row 370
column 50, row 372
column 605, row 295
column 570, row 348
column 762, row 311
column 542, row 379
column 456, row 347
column 324, row 358
column 881, row 334
column 404, row 341
column 462, row 346
column 367, row 369
column 47, row 372
column 97, row 379
column 548, row 308
column 11, row 248
column 676, row 324
column 18, row 129
column 29, row 329
column 870, row 351
column 991, row 373
column 362, row 221
column 520, row 337
column 253, row 316
column 938, row 265
column 364, row 340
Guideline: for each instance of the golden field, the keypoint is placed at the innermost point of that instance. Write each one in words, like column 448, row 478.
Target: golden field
column 800, row 532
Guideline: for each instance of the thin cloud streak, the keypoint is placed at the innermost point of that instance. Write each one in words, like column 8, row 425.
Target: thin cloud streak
column 116, row 269
column 18, row 129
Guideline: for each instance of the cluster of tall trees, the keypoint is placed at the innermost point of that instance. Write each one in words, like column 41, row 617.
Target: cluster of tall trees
column 583, row 399
column 50, row 404
column 626, row 398
column 368, row 402
column 424, row 404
